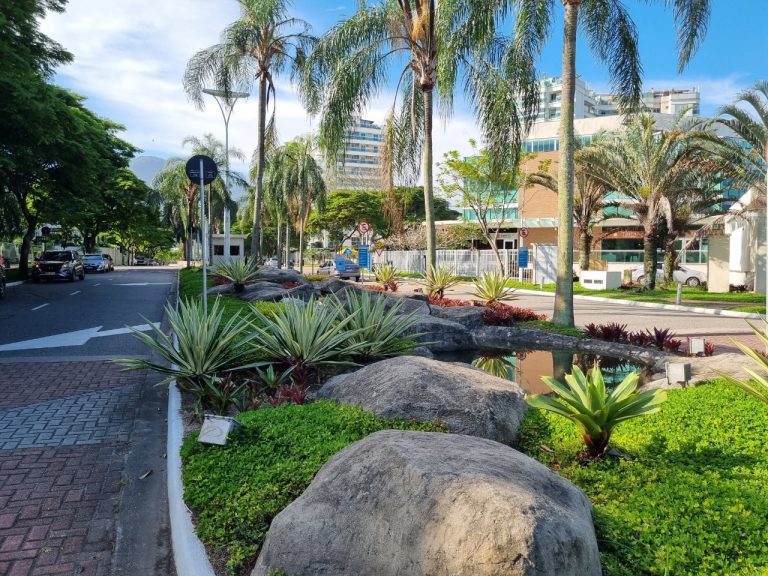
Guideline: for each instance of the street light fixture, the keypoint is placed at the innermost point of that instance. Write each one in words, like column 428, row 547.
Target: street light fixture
column 226, row 99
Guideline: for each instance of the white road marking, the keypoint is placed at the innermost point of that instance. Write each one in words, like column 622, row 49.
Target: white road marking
column 75, row 292
column 99, row 284
column 41, row 306
column 146, row 284
column 76, row 338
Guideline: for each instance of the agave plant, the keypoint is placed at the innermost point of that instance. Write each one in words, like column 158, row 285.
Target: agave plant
column 305, row 337
column 272, row 379
column 386, row 276
column 584, row 400
column 438, row 280
column 757, row 385
column 378, row 325
column 492, row 288
column 207, row 345
column 237, row 271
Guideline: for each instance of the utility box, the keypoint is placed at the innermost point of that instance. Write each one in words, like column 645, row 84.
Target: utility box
column 600, row 279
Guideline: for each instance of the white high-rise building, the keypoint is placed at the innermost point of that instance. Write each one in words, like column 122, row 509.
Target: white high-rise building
column 359, row 166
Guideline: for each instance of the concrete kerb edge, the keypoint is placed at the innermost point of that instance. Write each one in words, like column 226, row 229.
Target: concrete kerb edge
column 658, row 306
column 189, row 555
column 12, row 284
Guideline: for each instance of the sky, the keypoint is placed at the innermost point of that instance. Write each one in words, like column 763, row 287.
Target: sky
column 130, row 56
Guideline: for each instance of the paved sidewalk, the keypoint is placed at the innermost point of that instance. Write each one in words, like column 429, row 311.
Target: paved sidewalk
column 66, row 435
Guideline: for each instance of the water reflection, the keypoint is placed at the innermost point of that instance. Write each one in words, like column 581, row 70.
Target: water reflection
column 526, row 367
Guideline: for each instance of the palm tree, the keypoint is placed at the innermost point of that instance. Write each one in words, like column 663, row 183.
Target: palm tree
column 613, row 37
column 589, row 199
column 296, row 181
column 752, row 128
column 180, row 196
column 264, row 42
column 651, row 168
column 436, row 42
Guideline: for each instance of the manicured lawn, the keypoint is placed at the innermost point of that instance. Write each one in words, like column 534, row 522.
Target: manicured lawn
column 688, row 499
column 236, row 490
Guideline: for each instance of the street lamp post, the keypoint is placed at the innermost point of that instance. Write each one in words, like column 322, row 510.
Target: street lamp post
column 226, row 100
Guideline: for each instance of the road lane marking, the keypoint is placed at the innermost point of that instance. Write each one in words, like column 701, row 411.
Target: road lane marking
column 75, row 292
column 76, row 338
column 99, row 284
column 41, row 306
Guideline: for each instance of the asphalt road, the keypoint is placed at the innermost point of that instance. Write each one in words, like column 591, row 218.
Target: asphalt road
column 82, row 319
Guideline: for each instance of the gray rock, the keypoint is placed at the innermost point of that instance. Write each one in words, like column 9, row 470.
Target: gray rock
column 332, row 285
column 468, row 400
column 303, row 292
column 280, row 276
column 440, row 335
column 415, row 503
column 422, row 351
column 471, row 317
column 221, row 289
column 263, row 291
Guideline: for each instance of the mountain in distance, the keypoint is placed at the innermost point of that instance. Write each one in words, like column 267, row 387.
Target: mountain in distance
column 145, row 167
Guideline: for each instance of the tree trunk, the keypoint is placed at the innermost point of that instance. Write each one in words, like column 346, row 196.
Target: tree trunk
column 288, row 244
column 669, row 259
column 585, row 246
column 259, row 190
column 89, row 243
column 301, row 243
column 563, row 312
column 26, row 246
column 497, row 255
column 649, row 260
column 279, row 243
column 429, row 209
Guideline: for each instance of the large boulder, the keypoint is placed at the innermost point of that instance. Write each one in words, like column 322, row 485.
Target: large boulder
column 303, row 292
column 471, row 317
column 415, row 503
column 280, row 276
column 468, row 400
column 332, row 285
column 441, row 335
column 263, row 291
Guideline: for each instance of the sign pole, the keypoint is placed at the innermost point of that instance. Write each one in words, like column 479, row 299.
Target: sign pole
column 204, row 239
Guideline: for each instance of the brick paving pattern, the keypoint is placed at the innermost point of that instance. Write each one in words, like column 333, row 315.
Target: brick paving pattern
column 61, row 463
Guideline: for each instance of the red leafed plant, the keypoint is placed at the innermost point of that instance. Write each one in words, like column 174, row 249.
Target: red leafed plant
column 449, row 302
column 289, row 394
column 376, row 288
column 289, row 285
column 502, row 315
column 219, row 281
column 709, row 348
column 672, row 345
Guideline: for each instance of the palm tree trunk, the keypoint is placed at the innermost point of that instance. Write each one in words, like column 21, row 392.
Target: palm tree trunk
column 279, row 243
column 429, row 209
column 563, row 312
column 649, row 259
column 585, row 246
column 301, row 242
column 669, row 258
column 288, row 243
column 259, row 190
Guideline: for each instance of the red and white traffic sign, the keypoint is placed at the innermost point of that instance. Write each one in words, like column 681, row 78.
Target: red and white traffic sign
column 523, row 232
column 363, row 227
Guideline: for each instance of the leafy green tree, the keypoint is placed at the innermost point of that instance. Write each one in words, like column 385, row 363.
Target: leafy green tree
column 345, row 209
column 487, row 192
column 263, row 43
column 411, row 200
column 612, row 36
column 350, row 65
column 180, row 197
column 653, row 169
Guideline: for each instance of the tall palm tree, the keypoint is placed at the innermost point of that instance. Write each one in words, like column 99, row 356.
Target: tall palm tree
column 435, row 43
column 589, row 199
column 612, row 36
column 180, row 197
column 652, row 169
column 264, row 42
column 296, row 180
column 748, row 118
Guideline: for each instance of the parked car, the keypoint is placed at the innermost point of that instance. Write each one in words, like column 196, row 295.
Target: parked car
column 2, row 277
column 341, row 268
column 97, row 262
column 681, row 274
column 54, row 264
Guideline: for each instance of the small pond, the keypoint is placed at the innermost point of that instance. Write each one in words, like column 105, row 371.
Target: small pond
column 526, row 367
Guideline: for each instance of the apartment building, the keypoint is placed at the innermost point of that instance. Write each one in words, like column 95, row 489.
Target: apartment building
column 359, row 166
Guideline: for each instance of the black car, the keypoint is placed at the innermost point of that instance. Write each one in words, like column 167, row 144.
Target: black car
column 53, row 264
column 97, row 263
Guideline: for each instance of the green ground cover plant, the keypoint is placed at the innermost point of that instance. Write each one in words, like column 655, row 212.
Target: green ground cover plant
column 236, row 490
column 687, row 497
column 548, row 326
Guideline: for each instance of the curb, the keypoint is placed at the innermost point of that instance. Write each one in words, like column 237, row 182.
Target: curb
column 658, row 306
column 189, row 555
column 12, row 284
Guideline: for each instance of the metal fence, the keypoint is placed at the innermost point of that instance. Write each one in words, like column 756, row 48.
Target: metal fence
column 462, row 262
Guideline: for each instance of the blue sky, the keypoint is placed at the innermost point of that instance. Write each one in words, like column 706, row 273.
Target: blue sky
column 130, row 57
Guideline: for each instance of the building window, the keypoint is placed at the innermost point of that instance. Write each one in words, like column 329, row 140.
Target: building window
column 234, row 250
column 218, row 250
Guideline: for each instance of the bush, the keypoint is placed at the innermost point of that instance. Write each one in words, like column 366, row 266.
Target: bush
column 316, row 277
column 689, row 496
column 237, row 489
column 502, row 315
column 449, row 302
column 596, row 412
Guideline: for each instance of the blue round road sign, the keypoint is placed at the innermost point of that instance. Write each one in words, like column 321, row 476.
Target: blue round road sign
column 210, row 170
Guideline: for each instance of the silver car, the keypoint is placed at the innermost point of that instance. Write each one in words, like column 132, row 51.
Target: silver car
column 681, row 274
column 340, row 268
